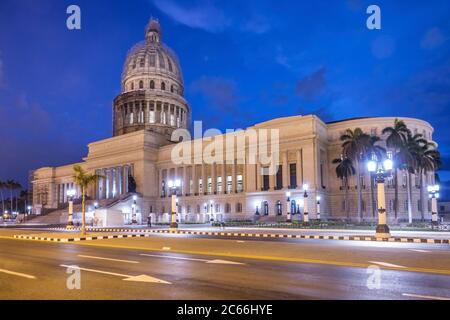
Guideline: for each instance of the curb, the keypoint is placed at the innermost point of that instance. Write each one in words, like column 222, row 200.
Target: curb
column 119, row 236
column 145, row 232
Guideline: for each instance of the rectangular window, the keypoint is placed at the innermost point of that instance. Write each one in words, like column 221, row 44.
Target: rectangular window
column 219, row 184
column 265, row 182
column 209, row 185
column 229, row 184
column 239, row 183
column 279, row 177
column 152, row 60
column 200, row 186
column 151, row 116
column 293, row 175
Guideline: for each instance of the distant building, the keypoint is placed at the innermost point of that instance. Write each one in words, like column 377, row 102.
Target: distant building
column 151, row 107
column 444, row 210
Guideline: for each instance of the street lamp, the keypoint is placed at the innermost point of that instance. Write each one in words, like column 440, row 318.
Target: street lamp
column 29, row 210
column 433, row 193
column 288, row 206
column 318, row 207
column 133, row 210
column 382, row 169
column 70, row 195
column 174, row 186
column 305, row 205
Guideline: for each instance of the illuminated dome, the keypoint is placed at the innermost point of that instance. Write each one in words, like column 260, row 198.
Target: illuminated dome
column 152, row 88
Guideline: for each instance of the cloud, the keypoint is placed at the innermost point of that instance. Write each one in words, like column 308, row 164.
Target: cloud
column 204, row 15
column 219, row 93
column 432, row 39
column 312, row 85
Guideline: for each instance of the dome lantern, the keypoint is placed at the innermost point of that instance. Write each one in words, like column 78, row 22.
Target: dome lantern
column 153, row 31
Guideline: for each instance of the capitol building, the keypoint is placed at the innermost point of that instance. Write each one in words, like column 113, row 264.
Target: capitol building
column 151, row 155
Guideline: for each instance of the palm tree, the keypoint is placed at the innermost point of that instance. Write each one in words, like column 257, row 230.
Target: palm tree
column 354, row 147
column 2, row 186
column 409, row 157
column 344, row 170
column 396, row 140
column 428, row 159
column 10, row 184
column 83, row 180
column 17, row 186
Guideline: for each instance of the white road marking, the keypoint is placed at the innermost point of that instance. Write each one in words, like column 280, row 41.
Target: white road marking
column 424, row 297
column 166, row 248
column 240, row 241
column 23, row 275
column 109, row 259
column 419, row 250
column 139, row 278
column 215, row 261
column 386, row 264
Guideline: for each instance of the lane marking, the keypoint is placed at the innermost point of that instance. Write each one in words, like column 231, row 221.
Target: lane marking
column 265, row 258
column 424, row 297
column 166, row 248
column 23, row 275
column 215, row 261
column 386, row 264
column 138, row 278
column 419, row 250
column 109, row 259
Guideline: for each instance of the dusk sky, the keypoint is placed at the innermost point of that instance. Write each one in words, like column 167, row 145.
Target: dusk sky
column 243, row 62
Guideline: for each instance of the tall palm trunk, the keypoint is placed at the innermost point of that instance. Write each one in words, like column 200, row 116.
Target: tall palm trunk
column 11, row 199
column 422, row 200
column 347, row 211
column 396, row 195
column 83, row 211
column 409, row 191
column 358, row 185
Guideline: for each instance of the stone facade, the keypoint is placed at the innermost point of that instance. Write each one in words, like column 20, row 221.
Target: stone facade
column 234, row 187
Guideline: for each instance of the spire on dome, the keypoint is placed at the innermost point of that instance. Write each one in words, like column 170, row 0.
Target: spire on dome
column 153, row 31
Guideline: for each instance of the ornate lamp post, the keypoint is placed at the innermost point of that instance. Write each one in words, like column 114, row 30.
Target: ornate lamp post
column 288, row 207
column 433, row 193
column 70, row 194
column 133, row 210
column 174, row 187
column 318, row 207
column 29, row 210
column 382, row 169
column 305, row 205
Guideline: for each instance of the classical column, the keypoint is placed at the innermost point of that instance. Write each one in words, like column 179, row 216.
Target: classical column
column 110, row 182
column 258, row 177
column 194, row 179
column 185, row 181
column 233, row 177
column 204, row 182
column 298, row 170
column 285, row 169
column 213, row 179
column 224, row 177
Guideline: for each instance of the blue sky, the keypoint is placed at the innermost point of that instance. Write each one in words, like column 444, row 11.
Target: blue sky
column 243, row 62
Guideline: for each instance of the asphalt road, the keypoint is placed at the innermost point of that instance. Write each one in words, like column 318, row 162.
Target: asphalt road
column 183, row 267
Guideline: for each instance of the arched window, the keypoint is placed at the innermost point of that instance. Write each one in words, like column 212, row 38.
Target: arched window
column 132, row 86
column 152, row 84
column 141, row 84
column 279, row 208
column 163, row 86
